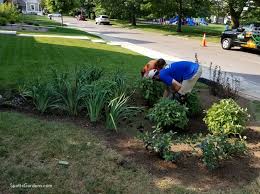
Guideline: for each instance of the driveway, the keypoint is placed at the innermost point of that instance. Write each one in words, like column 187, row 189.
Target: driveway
column 245, row 65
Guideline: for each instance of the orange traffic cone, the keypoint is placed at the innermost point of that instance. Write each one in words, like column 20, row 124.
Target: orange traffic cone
column 204, row 42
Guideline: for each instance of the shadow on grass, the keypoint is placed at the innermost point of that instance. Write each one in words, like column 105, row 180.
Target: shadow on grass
column 25, row 58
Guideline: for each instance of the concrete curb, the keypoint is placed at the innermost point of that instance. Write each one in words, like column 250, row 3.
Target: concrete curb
column 7, row 32
column 54, row 36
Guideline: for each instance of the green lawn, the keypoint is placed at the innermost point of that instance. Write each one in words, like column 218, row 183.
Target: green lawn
column 39, row 20
column 30, row 150
column 61, row 31
column 213, row 31
column 24, row 58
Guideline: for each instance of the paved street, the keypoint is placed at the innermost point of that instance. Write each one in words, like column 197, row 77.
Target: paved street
column 246, row 65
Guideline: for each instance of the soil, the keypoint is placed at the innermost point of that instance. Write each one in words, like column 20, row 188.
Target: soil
column 188, row 171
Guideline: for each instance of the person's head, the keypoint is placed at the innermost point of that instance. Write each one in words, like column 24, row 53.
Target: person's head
column 160, row 63
column 153, row 74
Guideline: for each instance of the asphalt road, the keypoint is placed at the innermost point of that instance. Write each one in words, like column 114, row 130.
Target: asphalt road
column 245, row 64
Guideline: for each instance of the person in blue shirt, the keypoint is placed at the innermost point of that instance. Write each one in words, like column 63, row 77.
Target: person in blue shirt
column 180, row 77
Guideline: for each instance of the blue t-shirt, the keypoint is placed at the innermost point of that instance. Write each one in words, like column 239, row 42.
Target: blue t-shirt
column 179, row 71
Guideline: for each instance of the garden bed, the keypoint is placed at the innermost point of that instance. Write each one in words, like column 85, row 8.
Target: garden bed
column 188, row 170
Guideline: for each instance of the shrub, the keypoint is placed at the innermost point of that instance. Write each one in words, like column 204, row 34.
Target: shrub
column 118, row 109
column 226, row 117
column 3, row 21
column 160, row 143
column 193, row 104
column 169, row 113
column 9, row 12
column 41, row 94
column 151, row 90
column 218, row 148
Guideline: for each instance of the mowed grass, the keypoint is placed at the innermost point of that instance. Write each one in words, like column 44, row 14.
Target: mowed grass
column 24, row 59
column 39, row 20
column 61, row 31
column 30, row 151
column 213, row 31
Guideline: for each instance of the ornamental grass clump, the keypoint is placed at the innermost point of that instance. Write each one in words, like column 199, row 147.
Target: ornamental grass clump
column 118, row 109
column 96, row 100
column 169, row 113
column 42, row 96
column 226, row 117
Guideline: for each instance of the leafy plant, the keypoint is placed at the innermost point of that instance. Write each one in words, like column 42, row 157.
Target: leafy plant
column 90, row 75
column 160, row 143
column 223, row 84
column 69, row 92
column 9, row 12
column 218, row 148
column 95, row 101
column 226, row 117
column 169, row 113
column 118, row 109
column 41, row 94
column 3, row 21
column 193, row 104
column 151, row 90
column 120, row 79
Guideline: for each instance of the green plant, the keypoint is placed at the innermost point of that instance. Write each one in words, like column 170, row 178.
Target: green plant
column 41, row 94
column 223, row 84
column 151, row 90
column 69, row 92
column 9, row 12
column 118, row 109
column 218, row 148
column 193, row 104
column 3, row 21
column 95, row 101
column 169, row 113
column 90, row 75
column 226, row 117
column 159, row 142
column 120, row 79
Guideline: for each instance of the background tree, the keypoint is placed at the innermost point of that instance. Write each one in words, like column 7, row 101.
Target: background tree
column 235, row 8
column 61, row 6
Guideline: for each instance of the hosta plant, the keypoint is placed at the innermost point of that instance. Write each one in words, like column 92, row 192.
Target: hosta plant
column 118, row 109
column 169, row 113
column 151, row 90
column 226, row 117
column 160, row 143
column 193, row 104
column 218, row 148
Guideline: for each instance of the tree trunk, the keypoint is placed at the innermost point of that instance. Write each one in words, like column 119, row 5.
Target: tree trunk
column 133, row 21
column 180, row 16
column 235, row 21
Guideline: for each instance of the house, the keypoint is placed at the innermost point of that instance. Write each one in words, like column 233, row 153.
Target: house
column 29, row 6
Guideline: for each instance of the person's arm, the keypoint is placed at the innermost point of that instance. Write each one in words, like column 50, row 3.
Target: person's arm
column 176, row 86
